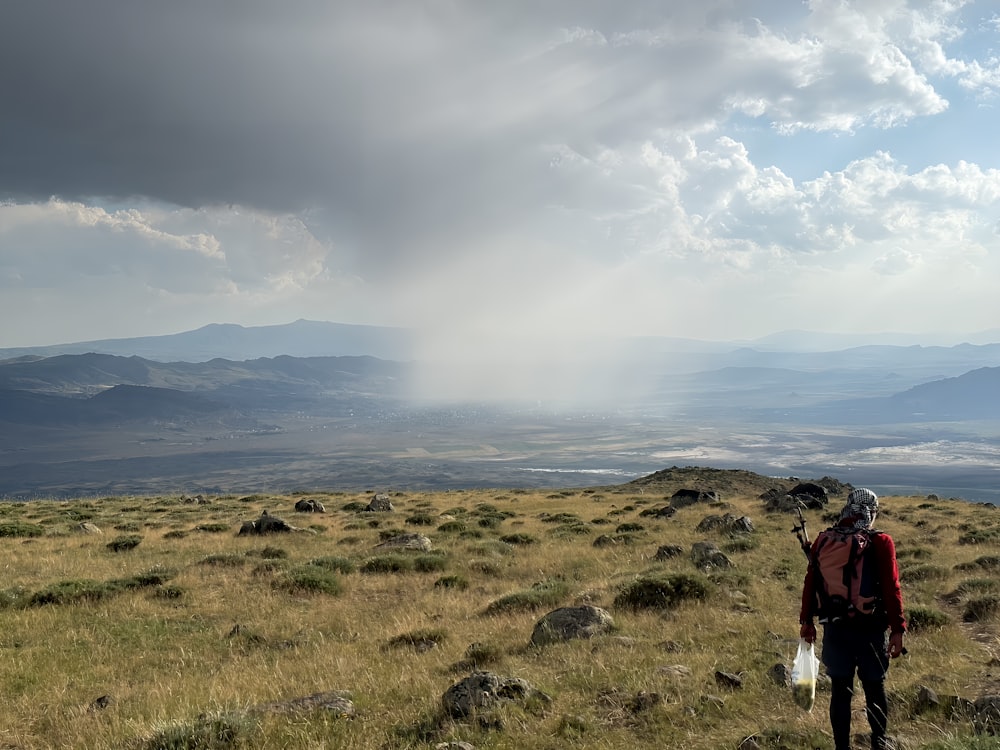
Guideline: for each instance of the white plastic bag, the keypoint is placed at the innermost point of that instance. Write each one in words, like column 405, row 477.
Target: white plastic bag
column 805, row 670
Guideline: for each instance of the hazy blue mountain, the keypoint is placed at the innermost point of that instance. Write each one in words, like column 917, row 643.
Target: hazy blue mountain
column 974, row 395
column 303, row 338
column 792, row 350
column 88, row 374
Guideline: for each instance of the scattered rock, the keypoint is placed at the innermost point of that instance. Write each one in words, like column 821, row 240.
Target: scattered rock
column 674, row 670
column 615, row 540
column 810, row 495
column 309, row 505
column 708, row 555
column 101, row 703
column 925, row 700
column 88, row 528
column 624, row 701
column 566, row 623
column 417, row 542
column 484, row 691
column 666, row 551
column 728, row 679
column 727, row 524
column 380, row 504
column 685, row 497
column 337, row 702
column 776, row 501
column 780, row 674
column 986, row 715
column 266, row 524
column 662, row 512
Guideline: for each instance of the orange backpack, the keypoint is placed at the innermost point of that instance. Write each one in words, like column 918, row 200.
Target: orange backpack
column 844, row 575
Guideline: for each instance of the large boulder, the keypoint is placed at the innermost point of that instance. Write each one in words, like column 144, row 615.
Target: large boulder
column 810, row 494
column 685, row 497
column 566, row 623
column 484, row 691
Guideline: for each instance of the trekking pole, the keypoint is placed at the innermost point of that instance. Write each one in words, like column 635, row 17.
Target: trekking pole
column 802, row 534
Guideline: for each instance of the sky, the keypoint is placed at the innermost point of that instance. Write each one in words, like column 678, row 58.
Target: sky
column 499, row 172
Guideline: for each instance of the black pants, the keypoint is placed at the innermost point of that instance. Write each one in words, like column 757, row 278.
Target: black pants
column 848, row 650
column 876, row 706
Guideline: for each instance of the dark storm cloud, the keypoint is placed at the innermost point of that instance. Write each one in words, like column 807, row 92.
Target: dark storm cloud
column 392, row 123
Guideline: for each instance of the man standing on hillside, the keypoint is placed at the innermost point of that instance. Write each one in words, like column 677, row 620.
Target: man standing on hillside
column 852, row 587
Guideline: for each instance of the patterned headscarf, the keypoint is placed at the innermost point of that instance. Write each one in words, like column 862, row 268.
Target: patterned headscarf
column 861, row 509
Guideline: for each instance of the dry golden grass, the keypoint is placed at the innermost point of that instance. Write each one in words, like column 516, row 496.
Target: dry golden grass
column 220, row 630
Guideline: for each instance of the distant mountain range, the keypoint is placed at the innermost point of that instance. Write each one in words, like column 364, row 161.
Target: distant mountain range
column 70, row 389
column 227, row 407
column 309, row 338
column 303, row 338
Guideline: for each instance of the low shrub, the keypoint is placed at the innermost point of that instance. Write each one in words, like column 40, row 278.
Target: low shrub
column 925, row 618
column 420, row 640
column 71, row 592
column 741, row 543
column 387, row 564
column 212, row 528
column 979, row 536
column 420, row 519
column 518, row 538
column 625, row 528
column 336, row 564
column 272, row 553
column 543, row 594
column 974, row 586
column 567, row 530
column 487, row 568
column 224, row 560
column 662, row 592
column 124, row 543
column 20, row 529
column 459, row 583
column 310, row 579
column 922, row 572
column 430, row 563
column 205, row 733
column 981, row 608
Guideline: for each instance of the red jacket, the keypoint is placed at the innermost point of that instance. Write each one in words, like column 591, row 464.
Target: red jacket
column 884, row 550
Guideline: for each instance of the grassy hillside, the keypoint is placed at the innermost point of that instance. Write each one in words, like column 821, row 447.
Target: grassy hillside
column 168, row 629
